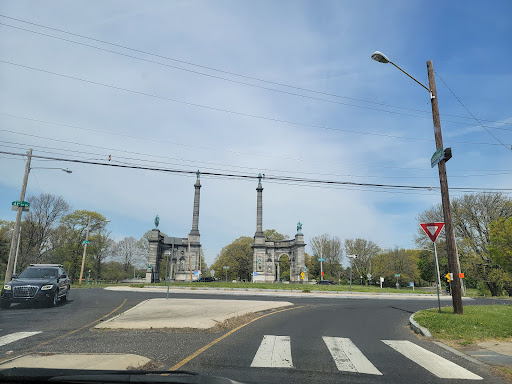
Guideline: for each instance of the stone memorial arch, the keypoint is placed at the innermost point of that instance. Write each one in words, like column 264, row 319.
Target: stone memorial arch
column 267, row 254
column 187, row 250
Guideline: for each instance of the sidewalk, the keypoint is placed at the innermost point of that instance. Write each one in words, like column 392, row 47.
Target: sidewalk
column 286, row 293
column 495, row 352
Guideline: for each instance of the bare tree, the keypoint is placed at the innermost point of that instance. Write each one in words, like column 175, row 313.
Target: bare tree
column 330, row 249
column 366, row 251
column 472, row 215
column 128, row 253
column 103, row 247
column 45, row 212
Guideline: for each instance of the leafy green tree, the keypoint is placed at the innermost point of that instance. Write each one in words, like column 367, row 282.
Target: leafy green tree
column 5, row 243
column 500, row 247
column 273, row 235
column 238, row 256
column 500, row 250
column 313, row 266
column 472, row 215
column 397, row 261
column 69, row 239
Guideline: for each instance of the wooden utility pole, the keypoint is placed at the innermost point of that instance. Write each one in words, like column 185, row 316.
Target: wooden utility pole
column 17, row 224
column 453, row 260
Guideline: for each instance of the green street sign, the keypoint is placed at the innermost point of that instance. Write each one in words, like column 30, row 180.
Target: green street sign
column 437, row 157
column 21, row 203
column 397, row 275
column 86, row 242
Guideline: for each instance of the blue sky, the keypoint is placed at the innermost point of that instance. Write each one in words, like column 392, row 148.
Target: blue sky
column 321, row 46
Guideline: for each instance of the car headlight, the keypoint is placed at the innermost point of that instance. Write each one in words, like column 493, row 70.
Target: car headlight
column 7, row 287
column 46, row 287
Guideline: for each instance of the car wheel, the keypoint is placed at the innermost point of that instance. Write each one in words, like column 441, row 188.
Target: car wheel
column 52, row 301
column 66, row 296
column 4, row 304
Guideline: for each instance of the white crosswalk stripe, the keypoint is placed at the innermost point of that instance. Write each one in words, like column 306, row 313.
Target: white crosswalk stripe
column 435, row 364
column 348, row 357
column 7, row 339
column 274, row 351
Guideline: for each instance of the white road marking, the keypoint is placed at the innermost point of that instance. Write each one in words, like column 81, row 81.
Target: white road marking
column 274, row 351
column 348, row 357
column 15, row 337
column 437, row 365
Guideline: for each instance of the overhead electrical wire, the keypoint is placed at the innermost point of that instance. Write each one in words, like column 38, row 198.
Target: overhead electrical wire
column 200, row 164
column 478, row 121
column 268, row 177
column 220, row 71
column 230, row 111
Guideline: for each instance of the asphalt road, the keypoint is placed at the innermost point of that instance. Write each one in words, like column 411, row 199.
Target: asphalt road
column 303, row 340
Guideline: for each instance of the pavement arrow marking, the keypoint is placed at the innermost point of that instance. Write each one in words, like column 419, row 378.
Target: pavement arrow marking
column 433, row 363
column 348, row 357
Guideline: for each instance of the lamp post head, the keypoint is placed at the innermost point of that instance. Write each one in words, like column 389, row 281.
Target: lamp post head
column 380, row 57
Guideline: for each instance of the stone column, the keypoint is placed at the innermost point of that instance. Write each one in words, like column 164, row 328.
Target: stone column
column 195, row 216
column 259, row 212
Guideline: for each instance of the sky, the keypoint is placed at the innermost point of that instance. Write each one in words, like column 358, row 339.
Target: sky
column 285, row 89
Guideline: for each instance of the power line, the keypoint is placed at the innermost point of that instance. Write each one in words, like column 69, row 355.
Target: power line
column 222, row 71
column 230, row 111
column 272, row 178
column 195, row 164
column 490, row 133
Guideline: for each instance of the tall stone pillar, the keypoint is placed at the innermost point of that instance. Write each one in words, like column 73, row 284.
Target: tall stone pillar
column 195, row 216
column 154, row 255
column 259, row 210
column 258, row 247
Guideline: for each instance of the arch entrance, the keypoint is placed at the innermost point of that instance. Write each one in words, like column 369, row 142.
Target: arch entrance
column 267, row 254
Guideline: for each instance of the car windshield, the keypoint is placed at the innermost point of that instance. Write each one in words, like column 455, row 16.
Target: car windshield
column 253, row 190
column 38, row 273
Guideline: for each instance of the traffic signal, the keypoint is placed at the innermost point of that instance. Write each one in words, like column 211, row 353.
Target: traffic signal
column 447, row 154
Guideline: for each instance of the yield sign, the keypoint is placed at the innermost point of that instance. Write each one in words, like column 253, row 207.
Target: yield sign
column 432, row 229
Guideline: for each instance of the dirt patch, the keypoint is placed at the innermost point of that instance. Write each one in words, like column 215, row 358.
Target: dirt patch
column 150, row 366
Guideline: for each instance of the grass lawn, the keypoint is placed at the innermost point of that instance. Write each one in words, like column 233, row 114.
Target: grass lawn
column 298, row 287
column 479, row 322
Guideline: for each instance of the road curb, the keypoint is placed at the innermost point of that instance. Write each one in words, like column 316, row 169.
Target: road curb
column 294, row 291
column 418, row 328
column 115, row 317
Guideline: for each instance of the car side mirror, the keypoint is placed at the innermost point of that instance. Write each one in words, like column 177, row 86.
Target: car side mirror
column 13, row 276
column 63, row 276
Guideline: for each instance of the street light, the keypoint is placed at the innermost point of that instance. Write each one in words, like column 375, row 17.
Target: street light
column 62, row 169
column 351, row 257
column 85, row 248
column 453, row 259
column 17, row 224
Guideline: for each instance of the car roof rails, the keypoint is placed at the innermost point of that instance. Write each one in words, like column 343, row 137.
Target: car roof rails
column 46, row 265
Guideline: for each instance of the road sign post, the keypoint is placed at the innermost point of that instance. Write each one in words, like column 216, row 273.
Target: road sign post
column 397, row 275
column 226, row 267
column 321, row 260
column 432, row 230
